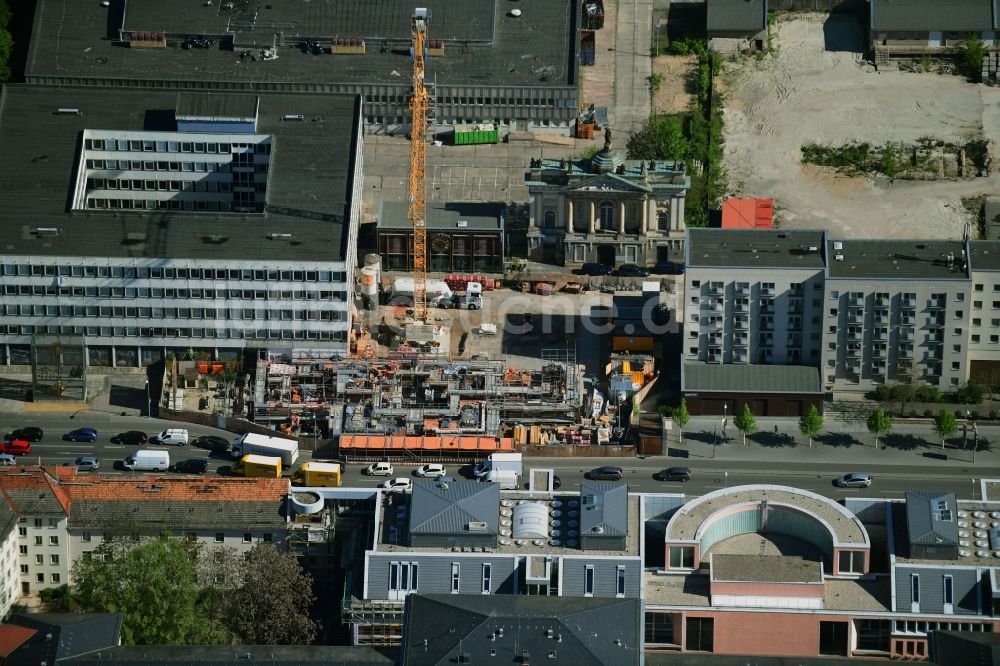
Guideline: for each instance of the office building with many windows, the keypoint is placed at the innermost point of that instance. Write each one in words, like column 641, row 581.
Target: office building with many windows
column 142, row 221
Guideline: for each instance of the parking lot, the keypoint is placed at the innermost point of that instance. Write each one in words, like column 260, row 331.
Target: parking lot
column 817, row 88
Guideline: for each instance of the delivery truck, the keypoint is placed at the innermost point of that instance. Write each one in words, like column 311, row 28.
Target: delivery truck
column 317, row 475
column 147, row 460
column 508, row 479
column 256, row 466
column 265, row 445
column 497, row 462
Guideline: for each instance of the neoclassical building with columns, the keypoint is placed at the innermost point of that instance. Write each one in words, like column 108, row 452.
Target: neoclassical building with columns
column 606, row 210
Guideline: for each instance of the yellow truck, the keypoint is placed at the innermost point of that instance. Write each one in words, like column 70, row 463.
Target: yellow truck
column 257, row 466
column 317, row 475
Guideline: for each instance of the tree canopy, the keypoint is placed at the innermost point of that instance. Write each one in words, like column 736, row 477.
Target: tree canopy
column 745, row 423
column 811, row 423
column 879, row 423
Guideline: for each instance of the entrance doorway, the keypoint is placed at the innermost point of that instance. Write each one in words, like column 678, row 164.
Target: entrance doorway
column 606, row 255
column 833, row 638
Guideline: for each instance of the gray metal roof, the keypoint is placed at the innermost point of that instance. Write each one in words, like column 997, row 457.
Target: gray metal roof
column 70, row 39
column 202, row 105
column 226, row 655
column 932, row 518
column 35, row 501
column 448, row 506
column 754, row 248
column 374, row 19
column 309, row 187
column 63, row 636
column 153, row 516
column 445, row 216
column 933, row 15
column 984, row 255
column 736, row 15
column 740, row 378
column 585, row 630
column 896, row 259
column 603, row 508
column 8, row 519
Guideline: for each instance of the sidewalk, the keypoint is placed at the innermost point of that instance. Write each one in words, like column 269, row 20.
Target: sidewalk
column 849, row 443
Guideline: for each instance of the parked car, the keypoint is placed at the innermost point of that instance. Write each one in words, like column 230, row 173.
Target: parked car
column 81, row 435
column 632, row 270
column 211, row 443
column 668, row 268
column 172, row 436
column 85, row 463
column 606, row 473
column 131, row 437
column 556, row 482
column 674, row 474
column 16, row 447
column 192, row 466
column 432, row 470
column 379, row 469
column 596, row 269
column 853, row 480
column 30, row 434
column 398, row 484
column 7, row 460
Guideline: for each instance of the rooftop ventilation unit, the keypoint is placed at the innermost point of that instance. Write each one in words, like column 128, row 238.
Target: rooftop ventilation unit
column 478, row 526
column 813, row 248
column 65, row 111
column 279, row 236
column 294, row 116
column 838, row 257
column 838, row 245
column 463, row 223
column 46, row 231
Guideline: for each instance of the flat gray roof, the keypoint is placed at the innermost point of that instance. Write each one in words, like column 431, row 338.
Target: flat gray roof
column 445, row 216
column 754, row 248
column 71, row 39
column 746, row 378
column 765, row 569
column 736, row 14
column 387, row 19
column 899, row 259
column 202, row 105
column 447, row 507
column 984, row 255
column 932, row 15
column 309, row 189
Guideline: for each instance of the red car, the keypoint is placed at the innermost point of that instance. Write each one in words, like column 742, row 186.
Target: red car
column 16, row 447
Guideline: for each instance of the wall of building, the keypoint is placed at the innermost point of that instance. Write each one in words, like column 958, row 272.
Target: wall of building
column 966, row 590
column 574, row 572
column 435, row 570
column 44, row 555
column 466, row 252
column 86, row 540
column 9, row 564
column 761, row 404
column 770, row 633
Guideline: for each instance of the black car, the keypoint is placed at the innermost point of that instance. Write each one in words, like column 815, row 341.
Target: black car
column 674, row 474
column 211, row 443
column 606, row 473
column 192, row 466
column 632, row 270
column 668, row 268
column 131, row 437
column 556, row 482
column 29, row 434
column 596, row 269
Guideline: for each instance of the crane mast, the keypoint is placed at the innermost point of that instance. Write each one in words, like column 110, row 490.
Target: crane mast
column 416, row 211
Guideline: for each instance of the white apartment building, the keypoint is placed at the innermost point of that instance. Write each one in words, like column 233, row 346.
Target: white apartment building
column 9, row 559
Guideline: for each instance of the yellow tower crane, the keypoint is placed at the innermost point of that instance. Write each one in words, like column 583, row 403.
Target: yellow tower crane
column 416, row 211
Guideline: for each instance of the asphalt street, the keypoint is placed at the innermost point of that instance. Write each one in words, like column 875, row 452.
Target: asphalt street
column 892, row 475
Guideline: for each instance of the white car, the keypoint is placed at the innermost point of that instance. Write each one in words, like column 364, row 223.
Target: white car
column 379, row 469
column 398, row 485
column 854, row 480
column 7, row 460
column 431, row 471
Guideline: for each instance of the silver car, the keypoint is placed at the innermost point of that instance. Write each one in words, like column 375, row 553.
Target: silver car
column 854, row 480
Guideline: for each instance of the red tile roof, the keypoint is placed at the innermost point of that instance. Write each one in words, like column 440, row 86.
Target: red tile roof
column 27, row 478
column 748, row 213
column 13, row 637
column 156, row 487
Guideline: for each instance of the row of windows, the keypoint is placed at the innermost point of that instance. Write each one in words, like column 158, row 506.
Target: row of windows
column 104, row 311
column 160, row 332
column 240, row 166
column 39, row 540
column 223, row 186
column 149, row 146
column 24, row 270
column 922, row 626
column 185, row 294
column 245, row 205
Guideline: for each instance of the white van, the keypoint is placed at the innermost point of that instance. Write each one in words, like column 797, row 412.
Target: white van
column 147, row 460
column 173, row 436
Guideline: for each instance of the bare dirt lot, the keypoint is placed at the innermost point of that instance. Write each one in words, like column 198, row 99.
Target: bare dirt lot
column 817, row 89
column 674, row 94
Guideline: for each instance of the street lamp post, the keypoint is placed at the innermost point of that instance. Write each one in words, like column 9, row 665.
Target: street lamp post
column 149, row 404
column 725, row 407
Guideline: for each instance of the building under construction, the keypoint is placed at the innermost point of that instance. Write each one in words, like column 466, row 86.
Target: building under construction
column 428, row 406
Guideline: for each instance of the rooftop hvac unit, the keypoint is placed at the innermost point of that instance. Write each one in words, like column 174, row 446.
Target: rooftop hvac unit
column 838, row 257
column 294, row 116
column 47, row 231
column 463, row 223
column 478, row 526
column 65, row 111
column 277, row 236
column 838, row 245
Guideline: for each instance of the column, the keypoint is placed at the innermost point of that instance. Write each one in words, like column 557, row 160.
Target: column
column 533, row 213
column 621, row 217
column 674, row 222
column 560, row 212
column 569, row 214
column 680, row 213
column 645, row 217
column 593, row 217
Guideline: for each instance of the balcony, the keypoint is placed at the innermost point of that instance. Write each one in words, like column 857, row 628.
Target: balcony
column 766, row 309
column 882, row 319
column 909, row 320
column 714, row 290
column 855, row 302
column 935, row 323
column 741, row 357
column 908, row 303
column 904, row 353
column 855, row 336
column 906, row 334
column 879, row 352
column 741, row 307
column 767, row 292
column 853, row 351
column 741, row 341
column 741, row 323
column 858, row 318
column 880, row 335
column 935, row 304
column 794, row 341
column 741, row 291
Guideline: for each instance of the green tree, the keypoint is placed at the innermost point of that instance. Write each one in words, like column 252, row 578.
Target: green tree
column 945, row 425
column 6, row 41
column 879, row 423
column 811, row 423
column 152, row 584
column 903, row 394
column 271, row 604
column 661, row 138
column 973, row 52
column 681, row 418
column 972, row 393
column 745, row 423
